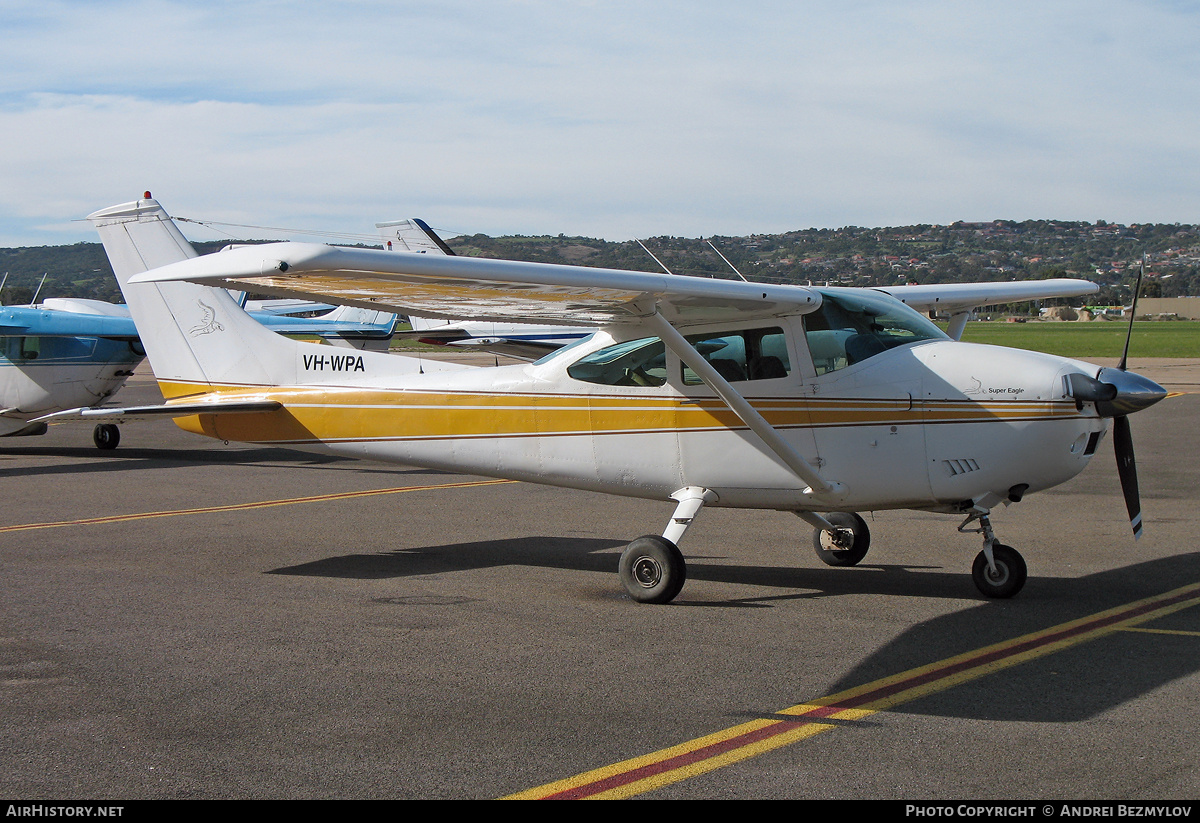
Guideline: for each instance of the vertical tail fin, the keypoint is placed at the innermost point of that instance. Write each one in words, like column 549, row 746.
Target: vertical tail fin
column 412, row 235
column 192, row 334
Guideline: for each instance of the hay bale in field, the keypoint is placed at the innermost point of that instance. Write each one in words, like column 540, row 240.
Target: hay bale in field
column 1059, row 313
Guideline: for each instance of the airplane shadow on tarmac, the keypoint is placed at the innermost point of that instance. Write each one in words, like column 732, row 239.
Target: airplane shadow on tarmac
column 135, row 459
column 1066, row 686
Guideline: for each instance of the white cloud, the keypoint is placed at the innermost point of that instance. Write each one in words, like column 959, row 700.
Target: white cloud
column 607, row 119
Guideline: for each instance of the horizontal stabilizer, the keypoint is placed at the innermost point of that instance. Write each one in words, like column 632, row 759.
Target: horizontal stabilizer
column 343, row 321
column 284, row 307
column 130, row 414
column 517, row 349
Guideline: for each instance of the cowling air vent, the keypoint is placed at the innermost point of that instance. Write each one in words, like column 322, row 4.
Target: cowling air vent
column 963, row 466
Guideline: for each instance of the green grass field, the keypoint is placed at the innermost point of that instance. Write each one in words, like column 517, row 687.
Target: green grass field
column 1096, row 339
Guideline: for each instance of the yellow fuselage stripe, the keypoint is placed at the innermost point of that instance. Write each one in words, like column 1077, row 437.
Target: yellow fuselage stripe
column 330, row 414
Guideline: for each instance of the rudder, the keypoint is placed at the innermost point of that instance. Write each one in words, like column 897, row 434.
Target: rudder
column 192, row 334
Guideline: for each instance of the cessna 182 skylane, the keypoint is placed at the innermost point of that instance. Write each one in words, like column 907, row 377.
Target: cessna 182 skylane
column 822, row 402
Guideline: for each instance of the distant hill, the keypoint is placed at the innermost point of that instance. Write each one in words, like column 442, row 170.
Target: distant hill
column 1106, row 253
column 78, row 270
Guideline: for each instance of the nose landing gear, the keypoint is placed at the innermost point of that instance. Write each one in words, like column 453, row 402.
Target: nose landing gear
column 998, row 571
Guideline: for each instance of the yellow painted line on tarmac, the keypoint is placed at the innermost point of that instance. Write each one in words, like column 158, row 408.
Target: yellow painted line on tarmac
column 120, row 518
column 1163, row 631
column 795, row 723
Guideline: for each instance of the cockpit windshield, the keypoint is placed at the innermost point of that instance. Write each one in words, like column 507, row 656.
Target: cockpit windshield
column 850, row 327
column 546, row 358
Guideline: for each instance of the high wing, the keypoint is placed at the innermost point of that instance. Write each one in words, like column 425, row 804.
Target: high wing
column 960, row 299
column 958, row 296
column 523, row 341
column 473, row 288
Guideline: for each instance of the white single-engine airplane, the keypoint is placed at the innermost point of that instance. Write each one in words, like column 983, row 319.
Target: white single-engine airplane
column 822, row 402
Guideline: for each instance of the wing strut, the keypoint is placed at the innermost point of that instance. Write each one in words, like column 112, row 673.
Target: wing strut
column 676, row 342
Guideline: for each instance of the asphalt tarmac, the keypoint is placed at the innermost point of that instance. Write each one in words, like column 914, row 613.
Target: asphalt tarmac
column 187, row 619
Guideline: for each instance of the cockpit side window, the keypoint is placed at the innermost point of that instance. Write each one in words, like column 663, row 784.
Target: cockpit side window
column 19, row 349
column 640, row 362
column 752, row 354
column 846, row 330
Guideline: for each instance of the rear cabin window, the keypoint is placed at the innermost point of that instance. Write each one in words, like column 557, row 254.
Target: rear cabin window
column 753, row 354
column 847, row 330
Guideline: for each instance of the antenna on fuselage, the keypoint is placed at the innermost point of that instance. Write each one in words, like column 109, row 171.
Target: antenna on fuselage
column 33, row 302
column 726, row 259
column 656, row 260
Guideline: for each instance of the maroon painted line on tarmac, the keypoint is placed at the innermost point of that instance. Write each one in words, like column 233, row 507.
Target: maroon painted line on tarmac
column 1010, row 651
column 678, row 761
column 859, row 700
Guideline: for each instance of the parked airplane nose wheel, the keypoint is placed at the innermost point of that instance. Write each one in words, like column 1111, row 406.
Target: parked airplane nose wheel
column 1009, row 576
column 652, row 569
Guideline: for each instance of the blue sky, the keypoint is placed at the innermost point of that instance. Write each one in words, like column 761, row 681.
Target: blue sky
column 605, row 119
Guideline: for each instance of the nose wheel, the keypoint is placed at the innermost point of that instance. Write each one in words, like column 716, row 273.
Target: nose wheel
column 1004, row 577
column 999, row 571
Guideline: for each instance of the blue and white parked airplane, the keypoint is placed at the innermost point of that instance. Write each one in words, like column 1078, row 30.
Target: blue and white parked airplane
column 66, row 353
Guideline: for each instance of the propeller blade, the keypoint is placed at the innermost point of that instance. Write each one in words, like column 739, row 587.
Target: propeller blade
column 1127, row 470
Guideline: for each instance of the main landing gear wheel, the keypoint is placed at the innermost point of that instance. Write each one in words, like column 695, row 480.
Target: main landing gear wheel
column 848, row 546
column 106, row 436
column 652, row 569
column 1009, row 576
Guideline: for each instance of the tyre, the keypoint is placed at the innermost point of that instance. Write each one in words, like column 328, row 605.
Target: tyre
column 837, row 550
column 1010, row 574
column 652, row 569
column 106, row 436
